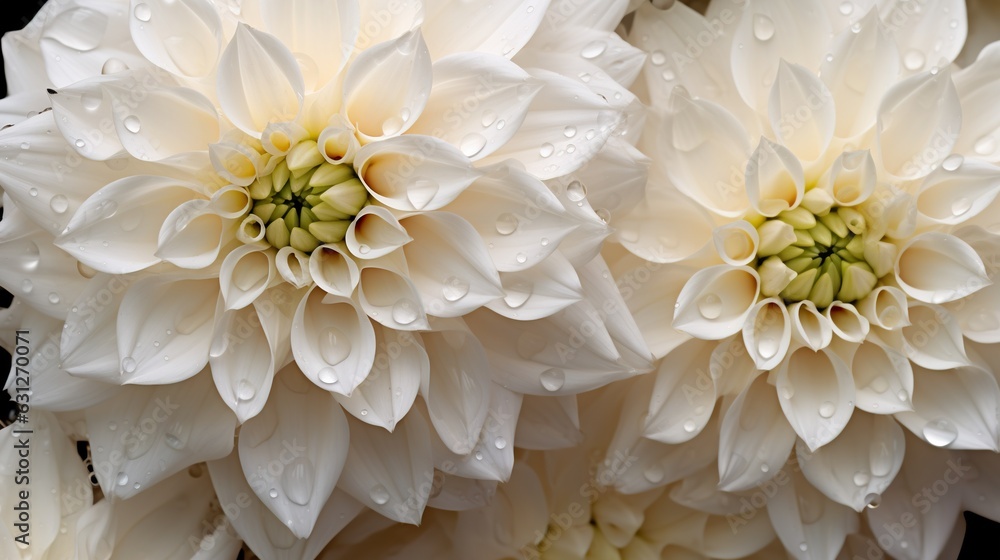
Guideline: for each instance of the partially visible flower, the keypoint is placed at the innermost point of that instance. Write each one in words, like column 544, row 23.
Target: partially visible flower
column 821, row 209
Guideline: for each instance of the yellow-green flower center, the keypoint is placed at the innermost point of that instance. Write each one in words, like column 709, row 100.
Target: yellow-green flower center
column 821, row 257
column 307, row 201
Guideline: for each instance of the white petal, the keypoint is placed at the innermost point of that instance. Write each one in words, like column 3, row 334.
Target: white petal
column 303, row 427
column 683, row 396
column 390, row 473
column 165, row 328
column 34, row 269
column 754, row 439
column 951, row 196
column 181, row 38
column 374, row 233
column 548, row 423
column 705, row 151
column 846, row 322
column 482, row 26
column 851, row 179
column 605, row 16
column 716, row 301
column 459, row 390
column 976, row 314
column 817, row 395
column 736, row 243
column 462, row 494
column 809, row 327
column 516, row 215
column 310, row 28
column 492, row 458
column 193, row 234
column 955, row 408
column 237, row 163
column 864, row 64
column 259, row 81
column 501, row 91
column 885, row 307
column 857, row 467
column 446, row 258
column 909, row 147
column 883, row 377
column 566, row 125
column 540, row 291
column 666, row 226
column 396, row 177
column 80, row 111
column 264, row 533
column 246, row 273
column 977, row 86
column 933, row 339
column 293, row 265
column 127, row 215
column 767, row 333
column 387, row 394
column 334, row 270
column 145, row 434
column 584, row 52
column 731, row 367
column 909, row 28
column 937, row 268
column 771, row 31
column 378, row 111
column 774, row 179
column 333, row 342
column 389, row 297
column 808, row 524
column 383, row 20
column 89, row 342
column 795, row 88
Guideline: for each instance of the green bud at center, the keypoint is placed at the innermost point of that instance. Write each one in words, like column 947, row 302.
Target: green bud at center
column 307, row 201
column 821, row 258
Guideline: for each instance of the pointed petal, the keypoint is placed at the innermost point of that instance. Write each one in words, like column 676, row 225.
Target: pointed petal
column 377, row 111
column 774, row 179
column 754, row 438
column 716, row 301
column 246, row 273
column 809, row 327
column 374, row 233
column 167, row 122
column 683, row 396
column 807, row 522
column 955, row 409
column 389, row 296
column 488, row 27
column 794, row 88
column 157, row 36
column 817, row 395
column 767, row 333
column 390, row 473
column 492, row 458
column 540, row 291
column 311, row 26
column 977, row 84
column 302, row 426
column 548, row 423
column 146, row 434
column 666, row 226
column 884, row 379
column 885, row 307
column 851, row 179
column 459, row 391
column 951, row 195
column 81, row 110
column 846, row 322
column 259, row 81
column 334, row 270
column 937, row 268
column 933, row 339
column 333, row 342
column 936, row 18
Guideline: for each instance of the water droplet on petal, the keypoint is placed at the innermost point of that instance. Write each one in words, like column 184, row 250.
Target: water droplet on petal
column 914, row 60
column 80, row 143
column 553, row 379
column 59, row 204
column 873, row 500
column 658, row 58
column 25, row 145
column 710, row 306
column 961, row 205
column 506, row 223
column 690, row 425
column 122, row 479
column 593, row 49
column 142, row 12
column 940, row 432
column 569, row 131
column 454, row 288
column 27, row 286
column 546, row 150
column 379, row 494
column 521, row 258
column 128, row 365
column 489, row 117
column 827, row 409
column 132, row 124
column 879, row 384
column 472, row 144
column 245, row 390
column 653, row 473
column 404, row 311
column 952, row 162
column 297, row 481
column 113, row 66
column 763, row 27
column 575, row 191
column 500, row 442
column 334, row 346
column 861, row 478
column 273, row 493
column 846, row 8
column 518, row 293
column 392, row 125
column 421, row 192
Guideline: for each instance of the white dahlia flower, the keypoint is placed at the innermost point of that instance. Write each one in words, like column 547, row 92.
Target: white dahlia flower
column 816, row 247
column 246, row 218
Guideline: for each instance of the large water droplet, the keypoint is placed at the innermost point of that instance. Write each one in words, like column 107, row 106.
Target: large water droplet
column 334, row 346
column 506, row 223
column 518, row 293
column 861, row 478
column 245, row 390
column 953, row 162
column 914, row 60
column 846, row 8
column 421, row 192
column 379, row 494
column 767, row 346
column 59, row 204
column 552, row 379
column 593, row 49
column 297, row 481
column 91, row 101
column 689, row 425
column 122, row 479
column 500, row 442
column 940, row 432
column 328, row 375
column 569, row 131
column 113, row 66
column 142, row 12
column 489, row 117
column 710, row 306
column 763, row 27
column 404, row 311
column 658, row 58
column 27, row 286
column 29, row 257
column 472, row 144
column 827, row 409
column 961, row 205
column 454, row 288
column 575, row 191
column 653, row 473
column 546, row 150
column 392, row 125
column 128, row 365
column 132, row 124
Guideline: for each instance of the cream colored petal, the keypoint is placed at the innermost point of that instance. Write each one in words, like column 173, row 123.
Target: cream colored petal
column 548, row 423
column 908, row 147
column 383, row 20
column 182, row 38
column 884, row 379
column 955, row 408
column 977, row 85
column 153, row 432
column 492, row 455
column 774, row 179
column 246, row 273
column 767, row 333
column 885, row 307
column 809, row 326
column 374, row 233
column 378, row 111
column 809, row 524
column 306, row 431
column 736, row 243
column 538, row 292
column 716, row 301
column 851, row 179
column 193, row 235
column 938, row 268
column 683, row 395
column 259, row 81
column 801, row 111
column 293, row 266
column 945, row 19
column 333, row 342
column 482, row 26
column 334, row 270
column 389, row 296
column 80, row 111
column 754, row 439
column 958, row 190
column 933, row 339
column 667, row 226
column 847, row 323
column 816, row 392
